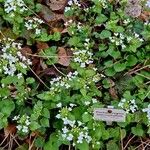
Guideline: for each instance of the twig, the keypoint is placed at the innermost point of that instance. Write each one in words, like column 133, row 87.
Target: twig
column 146, row 145
column 69, row 148
column 34, row 55
column 56, row 67
column 134, row 71
column 4, row 140
column 14, row 138
column 142, row 75
column 30, row 146
column 58, row 70
column 2, row 34
column 129, row 142
column 121, row 140
column 141, row 145
column 39, row 78
column 37, row 16
column 147, row 94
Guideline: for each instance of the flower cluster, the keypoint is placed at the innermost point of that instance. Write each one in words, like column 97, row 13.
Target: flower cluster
column 92, row 101
column 71, row 3
column 83, row 57
column 121, row 39
column 126, row 21
column 128, row 105
column 11, row 6
column 147, row 110
column 34, row 24
column 73, row 130
column 104, row 3
column 23, row 123
column 63, row 82
column 12, row 61
column 118, row 39
column 148, row 3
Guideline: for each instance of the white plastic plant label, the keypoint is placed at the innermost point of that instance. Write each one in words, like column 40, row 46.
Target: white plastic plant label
column 109, row 114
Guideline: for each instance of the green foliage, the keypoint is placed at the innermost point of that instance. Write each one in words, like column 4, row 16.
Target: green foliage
column 51, row 94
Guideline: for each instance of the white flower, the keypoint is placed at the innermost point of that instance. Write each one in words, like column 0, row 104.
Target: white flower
column 69, row 108
column 71, row 123
column 19, row 127
column 94, row 100
column 147, row 110
column 12, row 5
column 70, row 137
column 59, row 105
column 87, row 103
column 25, row 129
column 58, row 116
column 19, row 75
column 66, row 121
column 65, row 130
column 72, row 105
column 16, row 117
column 82, row 65
column 37, row 31
column 27, row 122
column 148, row 3
column 79, row 123
column 67, row 9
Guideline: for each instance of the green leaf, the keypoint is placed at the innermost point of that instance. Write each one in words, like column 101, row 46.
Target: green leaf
column 106, row 83
column 138, row 131
column 123, row 133
column 86, row 117
column 34, row 125
column 30, row 80
column 119, row 29
column 44, row 122
column 114, row 53
column 83, row 146
column 39, row 142
column 105, row 34
column 100, row 19
column 119, row 67
column 53, row 143
column 56, row 36
column 74, row 41
column 44, row 96
column 112, row 145
column 102, row 47
column 131, row 60
column 110, row 72
column 45, row 113
column 83, row 92
column 38, row 7
column 44, row 37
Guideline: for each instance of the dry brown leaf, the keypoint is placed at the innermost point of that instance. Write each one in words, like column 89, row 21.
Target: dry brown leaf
column 63, row 58
column 41, row 46
column 64, row 31
column 46, row 14
column 113, row 93
column 26, row 50
column 49, row 71
column 133, row 10
column 57, row 30
column 10, row 129
column 56, row 5
column 145, row 16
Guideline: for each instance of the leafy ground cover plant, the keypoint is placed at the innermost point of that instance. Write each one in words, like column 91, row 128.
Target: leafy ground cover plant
column 56, row 68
